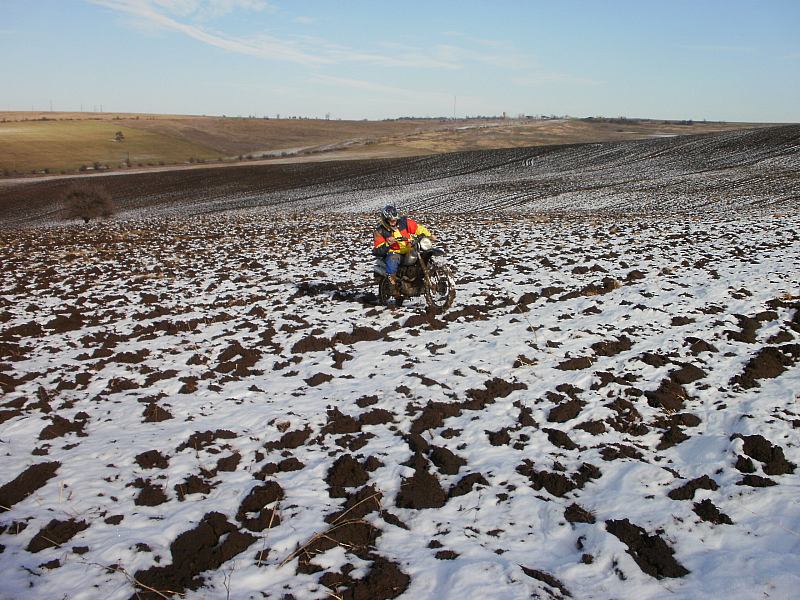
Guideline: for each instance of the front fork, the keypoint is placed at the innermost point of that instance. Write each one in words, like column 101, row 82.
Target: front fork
column 423, row 264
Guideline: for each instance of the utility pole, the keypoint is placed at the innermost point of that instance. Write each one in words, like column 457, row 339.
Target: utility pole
column 454, row 108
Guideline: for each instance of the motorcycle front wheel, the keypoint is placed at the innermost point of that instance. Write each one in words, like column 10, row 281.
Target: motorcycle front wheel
column 440, row 289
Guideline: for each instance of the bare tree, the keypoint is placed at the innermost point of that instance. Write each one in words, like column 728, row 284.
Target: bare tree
column 87, row 202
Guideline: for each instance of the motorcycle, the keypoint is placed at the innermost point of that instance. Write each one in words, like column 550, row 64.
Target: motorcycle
column 422, row 272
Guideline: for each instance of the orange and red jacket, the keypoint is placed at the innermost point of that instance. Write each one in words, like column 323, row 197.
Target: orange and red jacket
column 387, row 240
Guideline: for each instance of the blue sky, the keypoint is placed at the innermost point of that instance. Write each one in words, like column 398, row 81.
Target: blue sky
column 733, row 60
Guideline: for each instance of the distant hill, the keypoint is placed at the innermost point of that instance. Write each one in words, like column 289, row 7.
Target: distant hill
column 69, row 143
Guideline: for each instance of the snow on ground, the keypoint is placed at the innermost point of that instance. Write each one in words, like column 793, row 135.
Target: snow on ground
column 215, row 406
column 696, row 174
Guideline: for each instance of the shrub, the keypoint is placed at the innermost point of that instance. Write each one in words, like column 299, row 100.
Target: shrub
column 87, row 202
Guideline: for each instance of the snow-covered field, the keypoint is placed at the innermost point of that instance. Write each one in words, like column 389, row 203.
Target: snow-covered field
column 215, row 407
column 202, row 398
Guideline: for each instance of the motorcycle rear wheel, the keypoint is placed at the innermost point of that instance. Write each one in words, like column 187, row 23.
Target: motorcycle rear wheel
column 385, row 296
column 440, row 290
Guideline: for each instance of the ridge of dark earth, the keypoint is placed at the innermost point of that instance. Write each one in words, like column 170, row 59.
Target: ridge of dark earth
column 718, row 172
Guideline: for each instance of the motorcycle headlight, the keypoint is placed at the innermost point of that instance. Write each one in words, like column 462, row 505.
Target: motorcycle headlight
column 425, row 244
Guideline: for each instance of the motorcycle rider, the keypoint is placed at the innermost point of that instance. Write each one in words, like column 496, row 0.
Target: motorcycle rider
column 392, row 240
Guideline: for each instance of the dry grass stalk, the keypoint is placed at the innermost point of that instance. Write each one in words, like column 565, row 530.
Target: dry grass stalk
column 269, row 526
column 334, row 526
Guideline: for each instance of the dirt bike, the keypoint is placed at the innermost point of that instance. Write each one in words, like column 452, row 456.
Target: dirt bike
column 422, row 272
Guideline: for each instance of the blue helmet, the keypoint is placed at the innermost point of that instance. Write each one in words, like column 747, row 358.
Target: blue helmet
column 388, row 213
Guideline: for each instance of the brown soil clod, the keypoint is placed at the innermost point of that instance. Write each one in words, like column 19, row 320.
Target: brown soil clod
column 494, row 389
column 446, row 461
column 555, row 483
column 649, row 551
column 670, row 396
column 708, row 512
column 358, row 505
column 548, row 579
column 60, row 427
column 698, row 346
column 560, row 439
column 290, row 440
column 319, row 379
column 687, row 490
column 671, row 437
column 205, row 548
column 339, row 423
column 256, row 502
column 26, row 483
column 152, row 459
column 153, row 413
column 201, row 440
column 56, row 533
column 150, row 494
column 192, row 485
column 575, row 364
column 575, row 513
column 756, row 481
column 433, row 416
column 768, row 363
column 609, row 348
column 764, row 451
column 384, row 581
column 346, row 472
column 565, row 411
column 688, row 373
column 466, row 484
column 422, row 490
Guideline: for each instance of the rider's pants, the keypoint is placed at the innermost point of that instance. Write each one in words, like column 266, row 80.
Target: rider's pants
column 392, row 263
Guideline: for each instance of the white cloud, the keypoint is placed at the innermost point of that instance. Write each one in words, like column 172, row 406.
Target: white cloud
column 494, row 53
column 263, row 46
column 190, row 17
column 208, row 9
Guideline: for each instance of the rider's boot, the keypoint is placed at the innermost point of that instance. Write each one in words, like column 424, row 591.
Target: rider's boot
column 394, row 286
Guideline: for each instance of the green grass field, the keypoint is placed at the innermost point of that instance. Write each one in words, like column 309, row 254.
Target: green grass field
column 27, row 146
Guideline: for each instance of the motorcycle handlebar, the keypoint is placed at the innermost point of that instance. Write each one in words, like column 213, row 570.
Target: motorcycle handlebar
column 410, row 238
